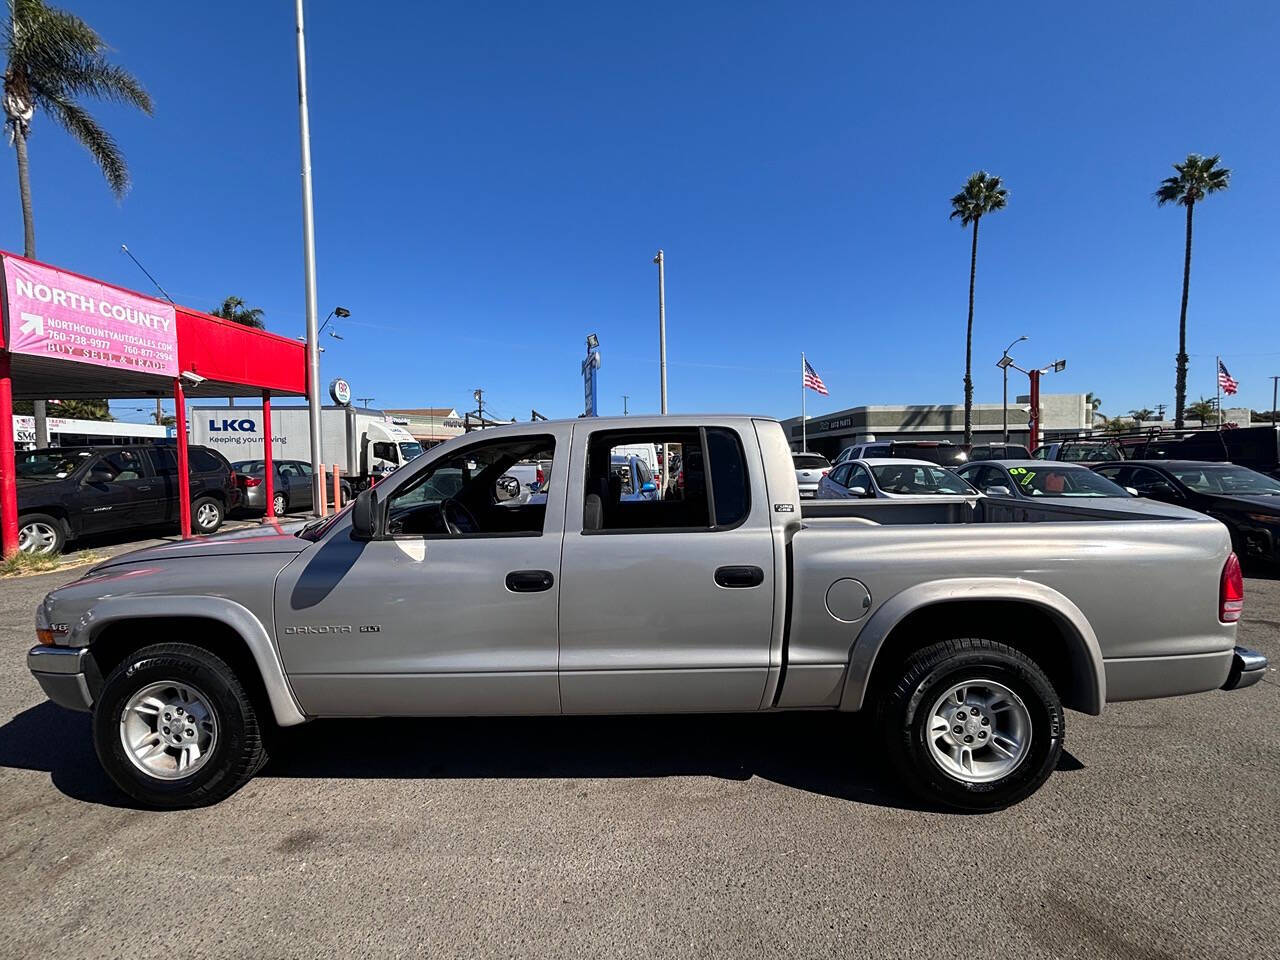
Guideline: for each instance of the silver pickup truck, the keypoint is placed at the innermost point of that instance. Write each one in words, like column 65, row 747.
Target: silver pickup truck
column 964, row 626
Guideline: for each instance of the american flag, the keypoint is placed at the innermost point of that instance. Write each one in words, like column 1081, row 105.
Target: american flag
column 812, row 381
column 1228, row 383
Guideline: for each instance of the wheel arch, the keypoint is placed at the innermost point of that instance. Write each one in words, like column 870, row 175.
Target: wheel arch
column 1021, row 613
column 220, row 625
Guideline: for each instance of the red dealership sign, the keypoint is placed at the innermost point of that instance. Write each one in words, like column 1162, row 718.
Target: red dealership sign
column 63, row 316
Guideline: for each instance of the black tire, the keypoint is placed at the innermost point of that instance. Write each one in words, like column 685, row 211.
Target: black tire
column 48, row 527
column 279, row 505
column 237, row 753
column 904, row 713
column 344, row 493
column 210, row 507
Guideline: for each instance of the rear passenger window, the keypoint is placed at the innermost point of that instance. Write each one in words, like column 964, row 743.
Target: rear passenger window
column 728, row 477
column 203, row 461
column 164, row 461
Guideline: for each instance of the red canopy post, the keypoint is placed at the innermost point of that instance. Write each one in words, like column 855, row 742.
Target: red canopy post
column 268, row 468
column 184, row 475
column 8, row 471
column 1035, row 410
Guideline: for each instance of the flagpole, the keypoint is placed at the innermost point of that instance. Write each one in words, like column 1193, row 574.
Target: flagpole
column 804, row 425
column 1217, row 377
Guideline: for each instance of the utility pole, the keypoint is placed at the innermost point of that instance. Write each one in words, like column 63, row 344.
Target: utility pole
column 478, row 394
column 366, row 401
column 1004, row 363
column 318, row 492
column 159, row 412
column 662, row 329
column 1274, row 382
column 625, row 398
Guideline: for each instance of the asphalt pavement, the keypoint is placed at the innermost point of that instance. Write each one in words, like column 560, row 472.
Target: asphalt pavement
column 761, row 836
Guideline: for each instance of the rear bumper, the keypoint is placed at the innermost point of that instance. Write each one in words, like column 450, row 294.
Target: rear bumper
column 69, row 676
column 1247, row 668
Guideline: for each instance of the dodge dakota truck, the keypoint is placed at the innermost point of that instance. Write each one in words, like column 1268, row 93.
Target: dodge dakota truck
column 964, row 627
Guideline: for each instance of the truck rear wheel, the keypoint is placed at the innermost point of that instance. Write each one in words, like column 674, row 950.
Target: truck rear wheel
column 174, row 727
column 972, row 724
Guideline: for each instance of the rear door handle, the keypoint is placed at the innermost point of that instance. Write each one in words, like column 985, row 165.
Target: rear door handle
column 529, row 581
column 745, row 576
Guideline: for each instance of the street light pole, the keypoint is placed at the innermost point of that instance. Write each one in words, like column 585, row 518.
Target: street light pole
column 662, row 329
column 309, row 271
column 1005, row 360
column 1275, row 381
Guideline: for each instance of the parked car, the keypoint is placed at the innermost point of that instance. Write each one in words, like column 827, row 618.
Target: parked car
column 965, row 638
column 292, row 486
column 891, row 478
column 1029, row 479
column 1247, row 501
column 942, row 452
column 810, row 468
column 65, row 493
column 1079, row 451
column 998, row 451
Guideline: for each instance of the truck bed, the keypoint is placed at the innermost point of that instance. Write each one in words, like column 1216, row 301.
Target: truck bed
column 950, row 510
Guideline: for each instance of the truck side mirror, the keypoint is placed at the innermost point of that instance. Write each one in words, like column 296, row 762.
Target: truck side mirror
column 364, row 513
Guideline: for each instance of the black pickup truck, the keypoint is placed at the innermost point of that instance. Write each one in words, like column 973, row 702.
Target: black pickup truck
column 65, row 493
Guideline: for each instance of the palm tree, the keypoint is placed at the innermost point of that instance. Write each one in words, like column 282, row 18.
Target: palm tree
column 1202, row 410
column 53, row 58
column 233, row 309
column 1094, row 403
column 982, row 194
column 1197, row 178
column 1141, row 414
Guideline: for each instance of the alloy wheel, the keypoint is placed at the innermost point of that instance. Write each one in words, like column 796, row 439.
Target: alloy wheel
column 168, row 729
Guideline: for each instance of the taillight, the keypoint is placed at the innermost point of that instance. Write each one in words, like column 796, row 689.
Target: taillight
column 540, row 478
column 1231, row 591
column 251, row 481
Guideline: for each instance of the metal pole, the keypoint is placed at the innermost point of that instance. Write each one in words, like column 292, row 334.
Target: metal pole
column 1005, row 403
column 1035, row 409
column 1275, row 381
column 625, row 398
column 309, row 271
column 184, row 476
column 8, row 469
column 1217, row 378
column 662, row 328
column 804, row 420
column 268, row 462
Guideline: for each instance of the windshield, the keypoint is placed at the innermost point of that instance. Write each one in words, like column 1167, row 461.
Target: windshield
column 810, row 461
column 1091, row 452
column 913, row 479
column 1226, row 478
column 48, row 464
column 409, row 450
column 1050, row 481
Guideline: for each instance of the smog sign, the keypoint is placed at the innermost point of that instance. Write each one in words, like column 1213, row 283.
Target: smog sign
column 340, row 390
column 66, row 317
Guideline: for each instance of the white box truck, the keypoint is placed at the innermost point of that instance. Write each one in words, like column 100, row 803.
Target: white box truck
column 366, row 444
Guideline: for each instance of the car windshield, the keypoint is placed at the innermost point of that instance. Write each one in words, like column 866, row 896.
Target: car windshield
column 1050, row 481
column 1090, row 452
column 409, row 450
column 909, row 478
column 810, row 461
column 48, row 464
column 1226, row 478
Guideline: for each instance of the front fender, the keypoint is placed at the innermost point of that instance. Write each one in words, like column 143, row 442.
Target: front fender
column 238, row 618
column 1086, row 654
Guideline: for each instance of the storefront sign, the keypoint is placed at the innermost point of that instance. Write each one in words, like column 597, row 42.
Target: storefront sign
column 340, row 390
column 64, row 317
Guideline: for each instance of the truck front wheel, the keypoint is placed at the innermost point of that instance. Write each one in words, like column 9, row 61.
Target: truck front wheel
column 972, row 724
column 174, row 727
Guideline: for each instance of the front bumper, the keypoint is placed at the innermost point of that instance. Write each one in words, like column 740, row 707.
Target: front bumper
column 69, row 676
column 1247, row 668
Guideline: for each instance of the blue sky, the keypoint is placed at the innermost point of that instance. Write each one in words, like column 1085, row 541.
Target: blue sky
column 492, row 181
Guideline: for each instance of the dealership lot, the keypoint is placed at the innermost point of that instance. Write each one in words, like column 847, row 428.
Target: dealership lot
column 699, row 836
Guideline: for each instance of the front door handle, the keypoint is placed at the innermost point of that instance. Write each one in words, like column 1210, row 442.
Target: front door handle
column 529, row 581
column 745, row 576
column 144, row 489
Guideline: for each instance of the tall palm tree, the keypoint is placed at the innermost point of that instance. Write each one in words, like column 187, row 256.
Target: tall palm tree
column 52, row 59
column 982, row 194
column 1197, row 177
column 233, row 309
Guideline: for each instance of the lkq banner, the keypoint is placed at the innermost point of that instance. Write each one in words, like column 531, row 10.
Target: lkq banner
column 64, row 317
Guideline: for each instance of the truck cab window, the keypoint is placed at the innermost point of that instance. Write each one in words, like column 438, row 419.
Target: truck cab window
column 624, row 493
column 385, row 450
column 470, row 493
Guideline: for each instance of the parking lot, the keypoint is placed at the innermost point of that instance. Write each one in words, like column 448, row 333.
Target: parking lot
column 737, row 836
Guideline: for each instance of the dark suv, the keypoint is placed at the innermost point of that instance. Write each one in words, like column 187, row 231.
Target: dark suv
column 69, row 492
